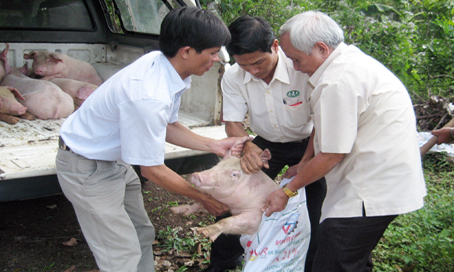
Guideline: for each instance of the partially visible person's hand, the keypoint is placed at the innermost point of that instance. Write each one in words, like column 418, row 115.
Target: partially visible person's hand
column 444, row 135
column 295, row 169
column 291, row 171
column 225, row 144
column 251, row 162
column 276, row 202
column 214, row 207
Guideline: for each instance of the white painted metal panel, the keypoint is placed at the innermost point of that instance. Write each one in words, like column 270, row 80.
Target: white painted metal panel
column 28, row 148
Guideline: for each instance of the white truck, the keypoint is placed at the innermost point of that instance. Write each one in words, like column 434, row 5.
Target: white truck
column 109, row 34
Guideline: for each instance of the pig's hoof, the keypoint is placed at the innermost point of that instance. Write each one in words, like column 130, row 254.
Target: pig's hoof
column 11, row 120
column 209, row 233
column 28, row 116
column 204, row 231
column 180, row 209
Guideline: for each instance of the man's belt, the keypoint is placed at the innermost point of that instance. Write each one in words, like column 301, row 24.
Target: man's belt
column 62, row 145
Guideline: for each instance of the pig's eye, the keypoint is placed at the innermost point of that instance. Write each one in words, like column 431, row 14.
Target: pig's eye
column 235, row 174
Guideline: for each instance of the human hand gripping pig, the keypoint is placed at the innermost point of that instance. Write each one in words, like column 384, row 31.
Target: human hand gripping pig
column 244, row 194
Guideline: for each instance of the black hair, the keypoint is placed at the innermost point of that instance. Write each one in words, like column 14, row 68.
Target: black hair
column 250, row 34
column 194, row 27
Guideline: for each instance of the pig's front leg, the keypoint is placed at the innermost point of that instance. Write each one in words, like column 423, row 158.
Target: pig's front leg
column 9, row 118
column 243, row 223
column 28, row 116
column 189, row 209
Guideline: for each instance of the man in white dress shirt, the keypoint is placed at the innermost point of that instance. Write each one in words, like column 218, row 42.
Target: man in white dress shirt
column 365, row 143
column 127, row 121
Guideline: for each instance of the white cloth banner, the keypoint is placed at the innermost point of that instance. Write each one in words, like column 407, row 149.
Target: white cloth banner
column 282, row 240
column 448, row 148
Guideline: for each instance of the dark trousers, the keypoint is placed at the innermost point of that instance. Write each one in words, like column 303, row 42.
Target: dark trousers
column 345, row 244
column 227, row 248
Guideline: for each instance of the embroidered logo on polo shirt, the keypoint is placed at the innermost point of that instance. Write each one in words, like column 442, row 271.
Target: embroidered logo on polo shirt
column 293, row 93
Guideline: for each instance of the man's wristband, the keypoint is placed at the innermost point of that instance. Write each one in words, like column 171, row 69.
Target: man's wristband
column 289, row 192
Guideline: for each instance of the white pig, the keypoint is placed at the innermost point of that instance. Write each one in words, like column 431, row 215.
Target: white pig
column 43, row 99
column 244, row 194
column 10, row 108
column 3, row 59
column 56, row 65
column 78, row 90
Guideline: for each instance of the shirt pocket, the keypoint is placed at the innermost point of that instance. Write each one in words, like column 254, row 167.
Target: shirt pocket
column 296, row 114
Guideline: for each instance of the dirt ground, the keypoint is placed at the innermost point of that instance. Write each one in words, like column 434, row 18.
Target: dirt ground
column 33, row 233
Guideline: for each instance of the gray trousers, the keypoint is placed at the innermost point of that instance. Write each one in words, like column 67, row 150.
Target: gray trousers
column 108, row 202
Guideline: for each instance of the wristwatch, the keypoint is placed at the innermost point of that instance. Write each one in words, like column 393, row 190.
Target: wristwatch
column 289, row 192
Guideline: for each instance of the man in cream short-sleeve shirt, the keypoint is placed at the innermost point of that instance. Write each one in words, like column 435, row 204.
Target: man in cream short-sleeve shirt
column 365, row 143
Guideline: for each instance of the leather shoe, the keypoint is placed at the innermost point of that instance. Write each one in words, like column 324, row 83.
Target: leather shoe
column 231, row 265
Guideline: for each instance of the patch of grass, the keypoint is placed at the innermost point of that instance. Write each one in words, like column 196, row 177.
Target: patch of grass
column 423, row 240
column 163, row 208
column 174, row 240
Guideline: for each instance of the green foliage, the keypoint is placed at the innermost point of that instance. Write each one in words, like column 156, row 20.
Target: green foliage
column 172, row 239
column 423, row 240
column 413, row 38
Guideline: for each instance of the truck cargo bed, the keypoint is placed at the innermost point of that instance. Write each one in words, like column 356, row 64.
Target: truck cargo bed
column 28, row 148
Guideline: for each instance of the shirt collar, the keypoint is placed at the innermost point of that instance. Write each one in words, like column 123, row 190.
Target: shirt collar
column 318, row 73
column 280, row 73
column 178, row 84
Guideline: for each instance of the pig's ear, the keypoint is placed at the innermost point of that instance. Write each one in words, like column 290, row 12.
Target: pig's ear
column 15, row 92
column 24, row 69
column 4, row 53
column 265, row 155
column 30, row 56
column 237, row 147
column 55, row 58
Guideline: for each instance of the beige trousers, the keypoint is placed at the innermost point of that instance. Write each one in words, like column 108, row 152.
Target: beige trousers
column 109, row 206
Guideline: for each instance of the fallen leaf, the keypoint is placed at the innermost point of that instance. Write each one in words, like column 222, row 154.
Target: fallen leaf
column 52, row 206
column 183, row 254
column 72, row 242
column 199, row 249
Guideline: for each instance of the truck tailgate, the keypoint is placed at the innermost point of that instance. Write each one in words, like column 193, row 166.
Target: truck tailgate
column 28, row 148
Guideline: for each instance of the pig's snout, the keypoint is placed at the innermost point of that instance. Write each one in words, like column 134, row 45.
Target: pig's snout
column 21, row 110
column 40, row 71
column 196, row 179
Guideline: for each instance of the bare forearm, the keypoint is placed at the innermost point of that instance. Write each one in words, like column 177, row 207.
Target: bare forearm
column 169, row 180
column 178, row 134
column 309, row 153
column 235, row 129
column 315, row 169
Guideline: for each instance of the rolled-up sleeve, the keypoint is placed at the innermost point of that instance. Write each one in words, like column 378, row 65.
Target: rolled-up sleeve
column 234, row 105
